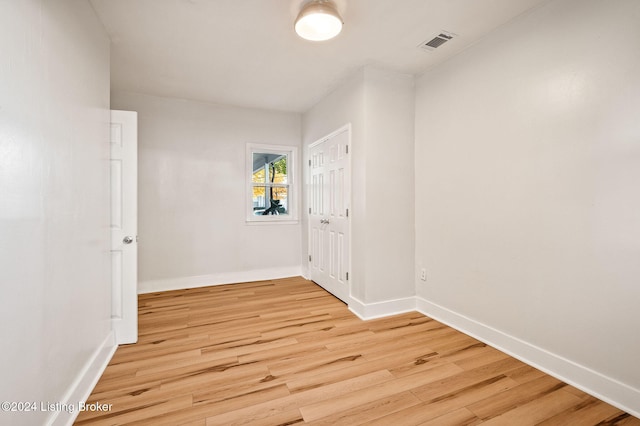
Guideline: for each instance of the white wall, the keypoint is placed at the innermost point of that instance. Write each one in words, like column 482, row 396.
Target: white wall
column 54, row 235
column 191, row 208
column 527, row 191
column 379, row 106
column 390, row 234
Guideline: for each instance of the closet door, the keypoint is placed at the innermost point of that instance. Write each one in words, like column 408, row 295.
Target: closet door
column 329, row 213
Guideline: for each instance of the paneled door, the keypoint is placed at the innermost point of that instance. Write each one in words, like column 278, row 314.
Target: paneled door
column 329, row 202
column 124, row 226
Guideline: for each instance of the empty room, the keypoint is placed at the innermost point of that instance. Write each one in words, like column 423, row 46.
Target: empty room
column 356, row 212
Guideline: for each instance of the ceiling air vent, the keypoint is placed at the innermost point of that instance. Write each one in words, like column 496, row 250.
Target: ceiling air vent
column 437, row 41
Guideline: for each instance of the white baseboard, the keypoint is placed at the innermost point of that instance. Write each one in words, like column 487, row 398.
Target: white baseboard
column 367, row 311
column 306, row 274
column 84, row 383
column 602, row 387
column 152, row 286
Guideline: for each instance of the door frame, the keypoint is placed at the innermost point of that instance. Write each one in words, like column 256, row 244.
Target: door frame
column 341, row 129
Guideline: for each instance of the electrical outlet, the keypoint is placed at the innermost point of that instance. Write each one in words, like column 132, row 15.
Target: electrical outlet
column 423, row 274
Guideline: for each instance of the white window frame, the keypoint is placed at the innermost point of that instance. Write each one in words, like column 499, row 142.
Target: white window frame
column 293, row 200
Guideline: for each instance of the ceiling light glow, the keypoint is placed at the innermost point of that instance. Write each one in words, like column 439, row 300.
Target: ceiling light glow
column 318, row 21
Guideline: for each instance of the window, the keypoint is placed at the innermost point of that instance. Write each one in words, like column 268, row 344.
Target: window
column 272, row 192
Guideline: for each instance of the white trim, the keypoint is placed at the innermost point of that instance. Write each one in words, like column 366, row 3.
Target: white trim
column 336, row 132
column 305, row 273
column 85, row 381
column 152, row 286
column 275, row 220
column 592, row 382
column 293, row 195
column 368, row 311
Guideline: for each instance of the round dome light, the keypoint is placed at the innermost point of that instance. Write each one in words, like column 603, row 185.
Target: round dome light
column 318, row 21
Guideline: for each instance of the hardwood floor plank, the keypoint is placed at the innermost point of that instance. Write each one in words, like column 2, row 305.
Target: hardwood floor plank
column 525, row 374
column 374, row 347
column 152, row 350
column 285, row 352
column 121, row 391
column 267, row 357
column 460, row 417
column 464, row 379
column 537, row 410
column 129, row 403
column 621, row 419
column 486, row 357
column 500, row 403
column 332, row 391
column 162, row 360
column 155, row 408
column 365, row 413
column 305, row 382
column 452, row 401
column 235, row 399
column 285, row 418
column 199, row 422
column 330, row 406
column 589, row 411
column 415, row 415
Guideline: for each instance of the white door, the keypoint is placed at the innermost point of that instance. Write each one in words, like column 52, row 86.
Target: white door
column 329, row 213
column 124, row 225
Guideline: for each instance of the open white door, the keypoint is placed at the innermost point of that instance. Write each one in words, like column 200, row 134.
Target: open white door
column 329, row 213
column 124, row 225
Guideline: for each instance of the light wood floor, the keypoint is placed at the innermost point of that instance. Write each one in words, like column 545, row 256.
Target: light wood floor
column 286, row 352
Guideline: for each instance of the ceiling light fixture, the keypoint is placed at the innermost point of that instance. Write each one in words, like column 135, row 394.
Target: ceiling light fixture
column 318, row 21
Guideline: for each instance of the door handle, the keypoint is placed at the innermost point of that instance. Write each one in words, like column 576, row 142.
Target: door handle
column 324, row 221
column 128, row 239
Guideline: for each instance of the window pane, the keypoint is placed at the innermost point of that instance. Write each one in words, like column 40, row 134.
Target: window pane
column 258, row 176
column 269, row 168
column 270, row 200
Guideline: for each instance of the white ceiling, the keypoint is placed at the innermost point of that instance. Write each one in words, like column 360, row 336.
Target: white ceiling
column 245, row 52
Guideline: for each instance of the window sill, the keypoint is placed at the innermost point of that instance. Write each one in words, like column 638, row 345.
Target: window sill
column 272, row 222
